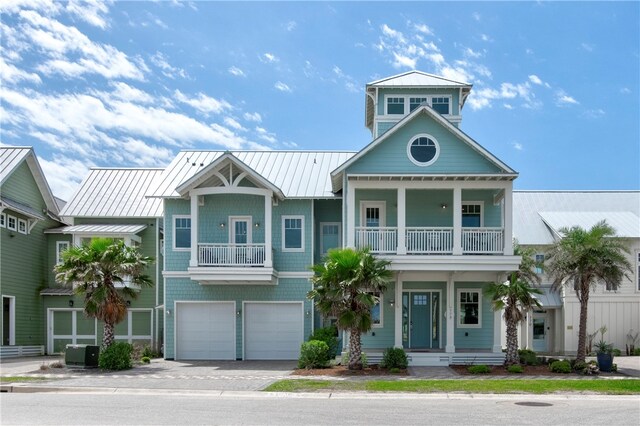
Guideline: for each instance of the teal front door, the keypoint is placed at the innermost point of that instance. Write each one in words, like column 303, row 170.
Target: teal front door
column 420, row 324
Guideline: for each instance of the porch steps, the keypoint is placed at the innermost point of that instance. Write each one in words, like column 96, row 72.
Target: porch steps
column 440, row 359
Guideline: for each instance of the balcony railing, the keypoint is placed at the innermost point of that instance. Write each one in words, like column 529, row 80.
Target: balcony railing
column 231, row 254
column 378, row 240
column 482, row 240
column 431, row 240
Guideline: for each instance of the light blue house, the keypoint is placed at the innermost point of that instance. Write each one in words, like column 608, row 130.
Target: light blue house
column 242, row 228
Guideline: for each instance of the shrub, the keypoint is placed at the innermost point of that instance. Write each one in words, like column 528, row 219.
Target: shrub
column 560, row 367
column 116, row 357
column 616, row 352
column 145, row 360
column 479, row 369
column 614, row 367
column 515, row 368
column 314, row 354
column 394, row 358
column 527, row 357
column 363, row 359
column 636, row 352
column 394, row 370
column 329, row 335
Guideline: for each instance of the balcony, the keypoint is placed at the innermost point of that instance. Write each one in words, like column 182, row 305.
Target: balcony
column 431, row 240
column 229, row 255
column 233, row 264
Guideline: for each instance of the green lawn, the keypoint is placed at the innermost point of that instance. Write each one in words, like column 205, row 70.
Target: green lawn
column 18, row 379
column 616, row 387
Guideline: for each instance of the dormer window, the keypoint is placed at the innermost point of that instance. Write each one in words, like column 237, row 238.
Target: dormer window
column 395, row 106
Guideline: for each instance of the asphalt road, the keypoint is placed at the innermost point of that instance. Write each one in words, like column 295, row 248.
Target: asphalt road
column 309, row 409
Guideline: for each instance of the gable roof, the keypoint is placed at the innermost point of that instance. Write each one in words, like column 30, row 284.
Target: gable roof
column 571, row 208
column 298, row 174
column 336, row 175
column 417, row 78
column 11, row 157
column 111, row 192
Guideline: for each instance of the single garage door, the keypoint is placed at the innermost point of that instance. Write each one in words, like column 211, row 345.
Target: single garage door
column 206, row 330
column 273, row 330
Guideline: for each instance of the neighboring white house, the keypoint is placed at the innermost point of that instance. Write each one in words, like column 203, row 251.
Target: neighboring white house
column 537, row 218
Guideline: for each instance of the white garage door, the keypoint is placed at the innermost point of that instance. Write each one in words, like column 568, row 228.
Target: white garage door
column 273, row 330
column 206, row 330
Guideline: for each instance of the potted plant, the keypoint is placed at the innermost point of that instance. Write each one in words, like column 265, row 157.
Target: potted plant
column 604, row 353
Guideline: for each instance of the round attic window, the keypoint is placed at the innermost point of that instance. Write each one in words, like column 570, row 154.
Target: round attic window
column 423, row 150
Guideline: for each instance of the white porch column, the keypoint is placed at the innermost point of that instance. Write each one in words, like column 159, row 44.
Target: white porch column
column 508, row 220
column 398, row 312
column 451, row 318
column 193, row 262
column 497, row 331
column 402, row 221
column 351, row 214
column 457, row 221
column 268, row 249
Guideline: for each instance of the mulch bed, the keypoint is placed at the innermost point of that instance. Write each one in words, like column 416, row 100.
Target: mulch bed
column 341, row 370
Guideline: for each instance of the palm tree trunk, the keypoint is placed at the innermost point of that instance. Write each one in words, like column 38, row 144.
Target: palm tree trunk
column 582, row 330
column 512, row 344
column 355, row 350
column 108, row 338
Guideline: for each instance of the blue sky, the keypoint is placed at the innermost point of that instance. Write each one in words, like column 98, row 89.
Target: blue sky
column 555, row 96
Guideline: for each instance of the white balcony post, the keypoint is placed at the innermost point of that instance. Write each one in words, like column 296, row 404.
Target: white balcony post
column 457, row 221
column 351, row 215
column 193, row 262
column 497, row 331
column 268, row 207
column 398, row 312
column 451, row 318
column 508, row 220
column 402, row 221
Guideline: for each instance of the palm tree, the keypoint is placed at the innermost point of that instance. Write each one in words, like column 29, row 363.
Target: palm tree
column 516, row 296
column 94, row 269
column 582, row 259
column 345, row 286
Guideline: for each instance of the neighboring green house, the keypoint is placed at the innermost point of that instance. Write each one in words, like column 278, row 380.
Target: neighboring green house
column 27, row 209
column 109, row 203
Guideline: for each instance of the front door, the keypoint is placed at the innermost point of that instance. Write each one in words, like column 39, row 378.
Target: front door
column 420, row 314
column 540, row 333
column 372, row 215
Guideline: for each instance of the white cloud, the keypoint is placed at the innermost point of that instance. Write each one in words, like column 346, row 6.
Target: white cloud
column 485, row 37
column 594, row 113
column 625, row 90
column 203, row 103
column 233, row 124
column 469, row 52
column 269, row 58
column 517, row 146
column 348, row 81
column 64, row 174
column 252, row 116
column 476, row 16
column 266, row 135
column 291, row 25
column 10, row 74
column 402, row 61
column 563, row 99
column 159, row 59
column 282, row 87
column 587, row 47
column 124, row 92
column 236, row 71
column 90, row 11
column 535, row 79
column 422, row 28
column 391, row 33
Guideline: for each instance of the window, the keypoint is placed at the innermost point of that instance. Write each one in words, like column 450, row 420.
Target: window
column 292, row 233
column 11, row 223
column 376, row 311
column 60, row 247
column 471, row 215
column 22, row 226
column 539, row 268
column 3, row 220
column 416, row 102
column 181, row 232
column 395, row 106
column 423, row 150
column 329, row 236
column 440, row 105
column 469, row 308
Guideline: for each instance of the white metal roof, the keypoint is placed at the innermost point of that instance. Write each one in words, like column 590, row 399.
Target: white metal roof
column 549, row 298
column 107, row 192
column 97, row 229
column 626, row 224
column 298, row 174
column 529, row 227
column 416, row 79
column 12, row 156
column 21, row 208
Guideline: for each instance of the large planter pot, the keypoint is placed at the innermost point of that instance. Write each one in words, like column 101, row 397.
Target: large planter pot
column 605, row 362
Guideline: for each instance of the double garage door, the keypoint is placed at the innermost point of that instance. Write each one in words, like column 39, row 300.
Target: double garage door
column 207, row 330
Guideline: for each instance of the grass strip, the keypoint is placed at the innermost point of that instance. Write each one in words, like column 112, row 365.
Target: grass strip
column 501, row 386
column 18, row 379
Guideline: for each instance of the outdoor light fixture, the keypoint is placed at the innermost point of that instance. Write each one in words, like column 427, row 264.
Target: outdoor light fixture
column 392, row 303
column 238, row 312
column 168, row 312
column 128, row 303
column 443, row 206
column 222, row 225
column 71, row 303
column 308, row 313
column 257, row 225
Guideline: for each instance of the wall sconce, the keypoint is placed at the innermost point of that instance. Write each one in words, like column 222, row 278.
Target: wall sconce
column 392, row 303
column 168, row 312
column 308, row 313
column 71, row 303
column 128, row 303
column 257, row 225
column 222, row 225
column 443, row 206
column 239, row 312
